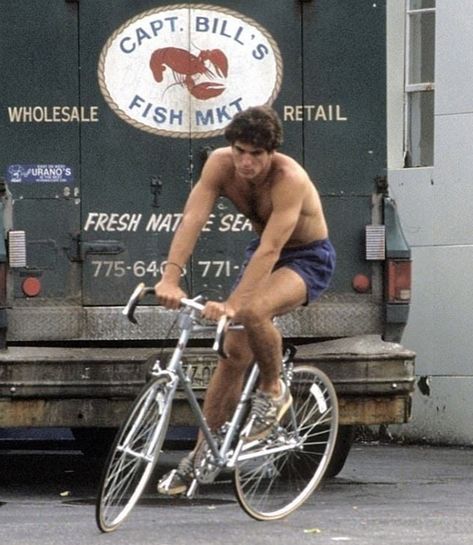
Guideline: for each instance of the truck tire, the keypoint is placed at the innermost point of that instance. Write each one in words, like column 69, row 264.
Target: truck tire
column 345, row 438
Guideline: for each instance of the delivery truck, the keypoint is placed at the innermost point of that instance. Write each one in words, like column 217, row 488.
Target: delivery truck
column 109, row 110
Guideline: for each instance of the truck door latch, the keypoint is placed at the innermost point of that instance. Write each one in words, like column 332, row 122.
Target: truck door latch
column 108, row 247
column 78, row 250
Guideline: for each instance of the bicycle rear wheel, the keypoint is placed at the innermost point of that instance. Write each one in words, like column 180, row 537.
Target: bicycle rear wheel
column 274, row 477
column 134, row 454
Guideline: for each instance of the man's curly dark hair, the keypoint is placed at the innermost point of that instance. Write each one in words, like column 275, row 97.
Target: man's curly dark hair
column 259, row 126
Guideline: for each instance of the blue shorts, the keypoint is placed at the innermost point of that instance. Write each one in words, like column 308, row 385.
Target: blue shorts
column 313, row 262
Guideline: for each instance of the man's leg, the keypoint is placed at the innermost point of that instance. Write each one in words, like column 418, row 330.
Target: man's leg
column 261, row 341
column 226, row 384
column 220, row 401
column 285, row 291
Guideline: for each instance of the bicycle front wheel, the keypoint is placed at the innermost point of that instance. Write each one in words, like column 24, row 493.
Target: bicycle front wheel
column 274, row 478
column 134, row 454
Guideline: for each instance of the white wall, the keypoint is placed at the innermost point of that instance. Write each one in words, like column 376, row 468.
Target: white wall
column 436, row 207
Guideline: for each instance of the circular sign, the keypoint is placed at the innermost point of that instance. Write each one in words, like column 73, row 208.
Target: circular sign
column 184, row 70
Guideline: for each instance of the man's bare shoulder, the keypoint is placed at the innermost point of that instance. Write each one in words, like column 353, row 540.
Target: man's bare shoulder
column 287, row 169
column 219, row 167
column 221, row 157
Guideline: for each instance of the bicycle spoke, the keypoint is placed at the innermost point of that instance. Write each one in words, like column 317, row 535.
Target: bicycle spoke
column 271, row 487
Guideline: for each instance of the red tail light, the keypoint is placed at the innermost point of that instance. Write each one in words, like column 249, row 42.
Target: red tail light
column 31, row 286
column 398, row 283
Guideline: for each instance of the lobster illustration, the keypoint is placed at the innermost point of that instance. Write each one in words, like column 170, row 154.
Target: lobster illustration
column 186, row 68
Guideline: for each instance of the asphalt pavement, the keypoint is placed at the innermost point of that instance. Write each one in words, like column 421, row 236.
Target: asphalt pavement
column 386, row 494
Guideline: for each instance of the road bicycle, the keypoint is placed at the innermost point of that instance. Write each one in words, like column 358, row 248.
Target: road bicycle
column 272, row 476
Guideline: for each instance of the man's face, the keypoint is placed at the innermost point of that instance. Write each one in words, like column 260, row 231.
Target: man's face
column 250, row 161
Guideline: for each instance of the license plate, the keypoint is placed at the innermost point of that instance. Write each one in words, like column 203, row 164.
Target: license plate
column 200, row 374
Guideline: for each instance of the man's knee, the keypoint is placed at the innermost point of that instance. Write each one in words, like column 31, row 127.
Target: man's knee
column 239, row 354
column 253, row 315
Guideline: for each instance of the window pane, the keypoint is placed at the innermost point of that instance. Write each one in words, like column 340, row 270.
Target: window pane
column 422, row 4
column 421, row 47
column 421, row 129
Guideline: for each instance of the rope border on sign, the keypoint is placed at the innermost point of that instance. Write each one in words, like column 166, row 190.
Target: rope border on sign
column 177, row 134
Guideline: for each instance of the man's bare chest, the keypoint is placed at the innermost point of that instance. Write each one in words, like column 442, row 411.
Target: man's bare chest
column 254, row 203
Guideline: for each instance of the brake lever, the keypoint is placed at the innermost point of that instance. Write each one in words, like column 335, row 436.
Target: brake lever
column 220, row 337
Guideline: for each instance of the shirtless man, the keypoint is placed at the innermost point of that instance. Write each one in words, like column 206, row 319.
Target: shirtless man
column 288, row 265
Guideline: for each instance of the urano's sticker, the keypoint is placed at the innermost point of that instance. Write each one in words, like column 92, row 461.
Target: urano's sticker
column 39, row 173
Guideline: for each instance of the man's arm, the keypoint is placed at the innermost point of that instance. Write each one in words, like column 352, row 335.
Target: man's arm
column 196, row 213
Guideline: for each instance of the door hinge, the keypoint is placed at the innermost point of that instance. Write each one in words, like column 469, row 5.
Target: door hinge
column 73, row 250
column 156, row 188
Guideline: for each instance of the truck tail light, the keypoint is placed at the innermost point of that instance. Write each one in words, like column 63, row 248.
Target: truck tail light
column 31, row 286
column 398, row 283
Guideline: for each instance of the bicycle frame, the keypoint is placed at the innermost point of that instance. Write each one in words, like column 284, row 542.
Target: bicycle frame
column 178, row 376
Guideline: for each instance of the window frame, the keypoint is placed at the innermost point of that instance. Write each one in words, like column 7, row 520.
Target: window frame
column 411, row 88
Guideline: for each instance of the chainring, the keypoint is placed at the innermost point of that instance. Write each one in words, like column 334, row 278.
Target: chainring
column 205, row 467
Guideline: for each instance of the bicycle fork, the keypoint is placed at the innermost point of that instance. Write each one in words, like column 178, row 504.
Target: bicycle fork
column 162, row 399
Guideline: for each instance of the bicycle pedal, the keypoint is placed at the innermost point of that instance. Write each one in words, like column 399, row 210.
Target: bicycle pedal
column 191, row 491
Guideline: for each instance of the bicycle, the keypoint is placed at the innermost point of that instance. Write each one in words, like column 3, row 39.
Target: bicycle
column 272, row 477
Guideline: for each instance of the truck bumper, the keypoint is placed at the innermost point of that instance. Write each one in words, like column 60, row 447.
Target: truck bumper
column 374, row 379
column 71, row 387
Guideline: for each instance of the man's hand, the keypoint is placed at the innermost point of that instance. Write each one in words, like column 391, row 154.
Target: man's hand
column 168, row 294
column 214, row 310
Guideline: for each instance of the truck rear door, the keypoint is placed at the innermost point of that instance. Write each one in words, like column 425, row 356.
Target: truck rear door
column 39, row 144
column 262, row 61
column 134, row 179
column 344, row 119
column 166, row 81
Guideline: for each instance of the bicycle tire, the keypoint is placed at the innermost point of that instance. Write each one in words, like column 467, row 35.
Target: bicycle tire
column 127, row 470
column 271, row 486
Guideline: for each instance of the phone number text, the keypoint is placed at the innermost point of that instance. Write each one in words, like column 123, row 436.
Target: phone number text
column 117, row 269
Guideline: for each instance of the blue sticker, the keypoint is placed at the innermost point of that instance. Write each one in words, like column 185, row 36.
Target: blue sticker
column 39, row 173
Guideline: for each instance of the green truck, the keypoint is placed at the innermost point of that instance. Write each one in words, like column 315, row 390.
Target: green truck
column 109, row 109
